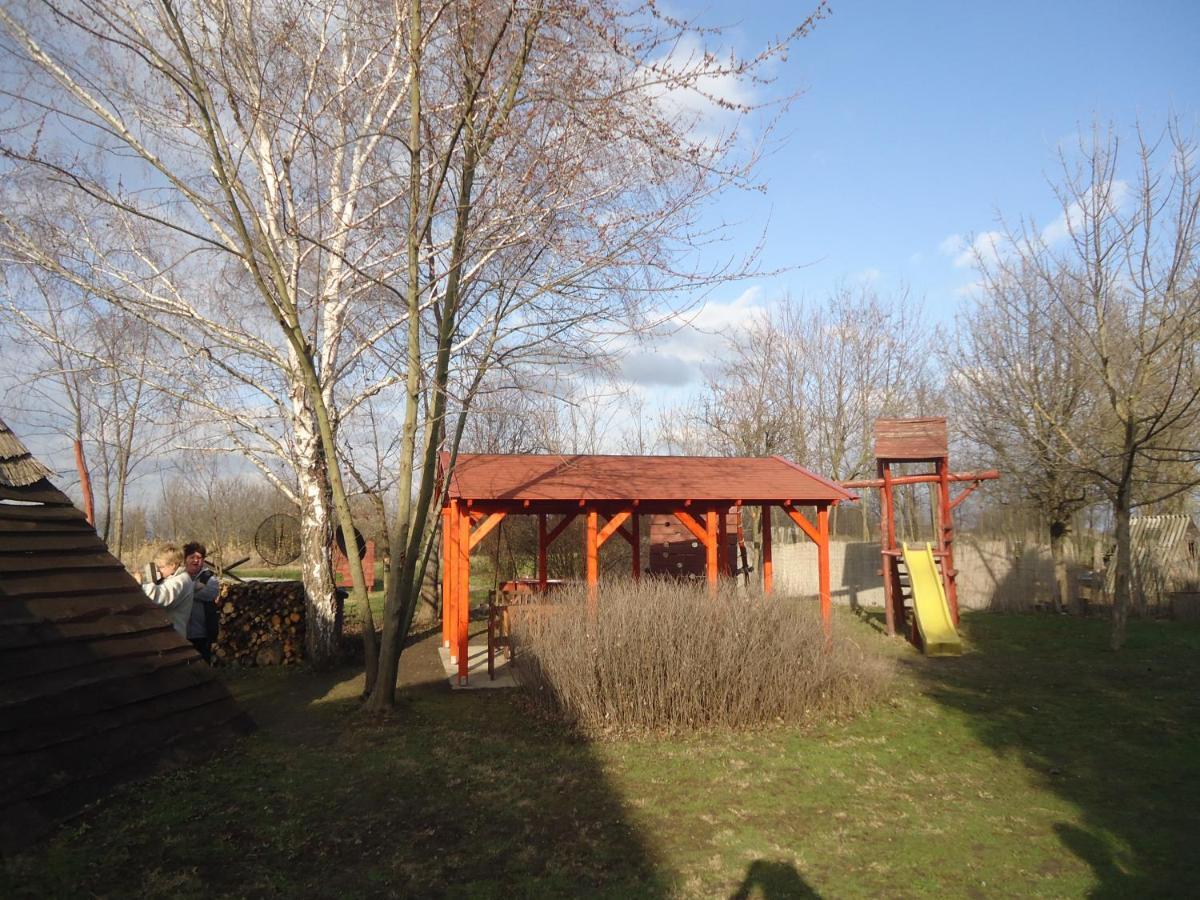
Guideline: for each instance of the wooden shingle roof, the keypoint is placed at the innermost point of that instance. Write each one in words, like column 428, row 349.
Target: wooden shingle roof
column 18, row 468
column 914, row 440
column 536, row 477
column 96, row 686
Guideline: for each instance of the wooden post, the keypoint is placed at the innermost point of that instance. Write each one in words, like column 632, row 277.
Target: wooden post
column 887, row 538
column 946, row 537
column 722, row 542
column 543, row 566
column 464, row 593
column 635, row 529
column 710, row 549
column 823, row 567
column 766, row 550
column 592, row 553
column 447, row 577
column 85, row 487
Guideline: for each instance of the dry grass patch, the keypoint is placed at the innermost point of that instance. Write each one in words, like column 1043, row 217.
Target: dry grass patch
column 666, row 656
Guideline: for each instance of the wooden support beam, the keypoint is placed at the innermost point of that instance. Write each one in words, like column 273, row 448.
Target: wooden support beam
column 488, row 524
column 560, row 528
column 543, row 566
column 710, row 555
column 464, row 594
column 892, row 601
column 611, row 527
column 946, row 538
column 635, row 544
column 926, row 478
column 447, row 578
column 723, row 541
column 592, row 554
column 806, row 526
column 964, row 494
column 823, row 568
column 767, row 571
column 689, row 522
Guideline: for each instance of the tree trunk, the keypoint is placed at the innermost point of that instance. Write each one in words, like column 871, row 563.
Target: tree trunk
column 1062, row 587
column 1120, row 608
column 322, row 631
column 116, row 516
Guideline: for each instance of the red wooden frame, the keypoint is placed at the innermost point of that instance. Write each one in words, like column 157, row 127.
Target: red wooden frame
column 466, row 520
column 916, row 441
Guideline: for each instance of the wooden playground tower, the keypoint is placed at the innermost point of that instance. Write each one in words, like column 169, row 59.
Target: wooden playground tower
column 909, row 441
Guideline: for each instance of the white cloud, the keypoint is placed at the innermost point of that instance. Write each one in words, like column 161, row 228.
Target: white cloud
column 684, row 344
column 866, row 277
column 985, row 249
column 971, row 290
column 1072, row 218
column 709, row 103
column 952, row 245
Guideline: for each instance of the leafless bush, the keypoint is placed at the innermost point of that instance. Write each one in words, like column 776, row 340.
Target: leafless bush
column 662, row 656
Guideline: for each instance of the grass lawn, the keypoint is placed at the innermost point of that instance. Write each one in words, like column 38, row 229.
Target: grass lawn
column 1038, row 764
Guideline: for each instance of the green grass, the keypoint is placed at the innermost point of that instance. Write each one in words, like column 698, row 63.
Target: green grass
column 1038, row 764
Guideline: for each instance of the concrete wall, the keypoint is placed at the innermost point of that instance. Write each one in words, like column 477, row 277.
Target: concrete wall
column 992, row 574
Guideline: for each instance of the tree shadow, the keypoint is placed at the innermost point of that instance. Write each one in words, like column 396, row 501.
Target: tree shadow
column 1117, row 735
column 455, row 794
column 772, row 880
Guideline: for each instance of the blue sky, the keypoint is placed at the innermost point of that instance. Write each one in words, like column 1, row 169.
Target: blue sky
column 921, row 121
column 919, row 126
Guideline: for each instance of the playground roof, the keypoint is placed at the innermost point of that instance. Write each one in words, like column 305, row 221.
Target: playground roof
column 535, row 477
column 911, row 440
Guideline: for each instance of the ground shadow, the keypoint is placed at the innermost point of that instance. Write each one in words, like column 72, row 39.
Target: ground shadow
column 455, row 794
column 771, row 880
column 860, row 572
column 1115, row 734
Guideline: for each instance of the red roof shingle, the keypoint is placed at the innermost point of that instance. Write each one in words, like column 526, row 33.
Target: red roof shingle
column 606, row 478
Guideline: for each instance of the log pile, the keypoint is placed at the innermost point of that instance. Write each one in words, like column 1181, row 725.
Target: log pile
column 261, row 623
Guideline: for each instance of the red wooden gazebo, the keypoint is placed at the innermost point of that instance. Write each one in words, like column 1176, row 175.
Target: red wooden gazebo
column 611, row 493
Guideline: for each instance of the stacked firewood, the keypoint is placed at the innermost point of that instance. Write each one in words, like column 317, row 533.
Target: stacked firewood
column 262, row 623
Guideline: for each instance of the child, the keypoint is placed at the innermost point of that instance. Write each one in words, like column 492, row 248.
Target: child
column 172, row 588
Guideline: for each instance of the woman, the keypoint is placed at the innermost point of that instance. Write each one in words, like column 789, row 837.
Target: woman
column 202, row 626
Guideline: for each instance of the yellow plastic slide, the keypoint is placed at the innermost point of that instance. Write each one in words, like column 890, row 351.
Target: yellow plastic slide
column 929, row 604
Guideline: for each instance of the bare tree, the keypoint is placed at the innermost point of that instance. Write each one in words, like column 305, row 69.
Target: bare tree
column 332, row 200
column 116, row 422
column 1121, row 273
column 566, row 178
column 1013, row 356
column 807, row 380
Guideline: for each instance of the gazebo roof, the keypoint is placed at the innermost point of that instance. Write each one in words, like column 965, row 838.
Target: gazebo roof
column 557, row 478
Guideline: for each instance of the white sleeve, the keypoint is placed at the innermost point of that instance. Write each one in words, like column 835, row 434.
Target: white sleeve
column 170, row 592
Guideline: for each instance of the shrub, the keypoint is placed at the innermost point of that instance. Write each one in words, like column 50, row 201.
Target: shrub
column 661, row 655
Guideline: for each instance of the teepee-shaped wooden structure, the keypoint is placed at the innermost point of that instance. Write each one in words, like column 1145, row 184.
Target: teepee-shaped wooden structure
column 96, row 687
